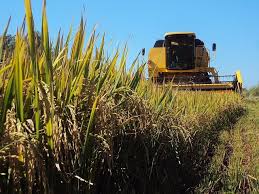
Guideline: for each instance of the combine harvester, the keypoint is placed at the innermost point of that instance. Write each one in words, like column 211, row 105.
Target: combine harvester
column 181, row 58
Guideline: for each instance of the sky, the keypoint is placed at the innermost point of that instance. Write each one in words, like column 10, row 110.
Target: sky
column 232, row 24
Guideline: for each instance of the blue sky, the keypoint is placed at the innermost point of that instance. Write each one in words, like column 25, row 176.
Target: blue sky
column 232, row 24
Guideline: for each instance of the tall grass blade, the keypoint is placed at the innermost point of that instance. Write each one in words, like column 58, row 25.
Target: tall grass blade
column 18, row 76
column 137, row 77
column 48, row 73
column 35, row 68
column 5, row 68
column 90, row 123
column 83, row 66
column 8, row 100
column 2, row 39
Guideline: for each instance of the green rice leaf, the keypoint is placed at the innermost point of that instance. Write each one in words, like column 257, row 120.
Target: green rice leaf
column 3, row 37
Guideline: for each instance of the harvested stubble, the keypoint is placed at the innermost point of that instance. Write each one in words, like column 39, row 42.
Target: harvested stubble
column 77, row 121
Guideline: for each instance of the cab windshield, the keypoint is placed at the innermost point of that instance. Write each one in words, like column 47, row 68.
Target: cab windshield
column 180, row 51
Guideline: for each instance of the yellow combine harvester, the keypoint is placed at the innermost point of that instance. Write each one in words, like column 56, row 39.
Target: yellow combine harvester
column 184, row 60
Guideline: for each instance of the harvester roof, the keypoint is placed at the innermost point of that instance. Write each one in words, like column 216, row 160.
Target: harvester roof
column 178, row 33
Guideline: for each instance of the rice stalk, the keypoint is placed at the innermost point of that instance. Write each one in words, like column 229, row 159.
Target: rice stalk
column 35, row 68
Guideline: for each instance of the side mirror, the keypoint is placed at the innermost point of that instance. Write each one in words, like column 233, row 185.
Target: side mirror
column 214, row 47
column 143, row 51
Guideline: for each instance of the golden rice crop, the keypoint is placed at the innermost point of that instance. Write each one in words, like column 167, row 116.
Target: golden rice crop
column 75, row 120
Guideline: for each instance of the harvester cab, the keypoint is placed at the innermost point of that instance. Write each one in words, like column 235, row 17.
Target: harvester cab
column 183, row 59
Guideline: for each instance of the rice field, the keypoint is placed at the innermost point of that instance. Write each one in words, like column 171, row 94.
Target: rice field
column 74, row 120
column 235, row 165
